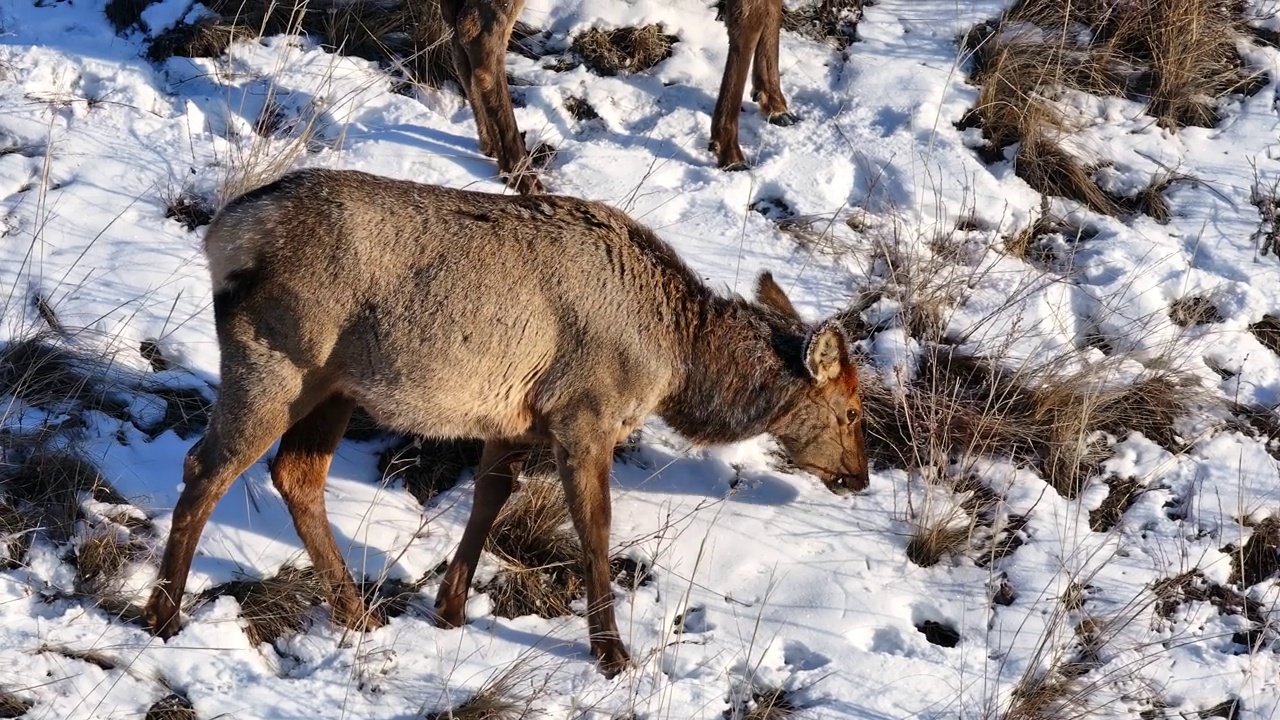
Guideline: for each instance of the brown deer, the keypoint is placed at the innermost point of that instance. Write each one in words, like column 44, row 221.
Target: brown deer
column 482, row 29
column 514, row 319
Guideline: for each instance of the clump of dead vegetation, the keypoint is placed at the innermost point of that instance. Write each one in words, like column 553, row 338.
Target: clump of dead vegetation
column 274, row 607
column 12, row 705
column 1267, row 331
column 834, row 22
column 976, row 525
column 188, row 208
column 763, row 704
column 539, row 554
column 1259, row 558
column 622, row 50
column 501, row 698
column 1122, row 493
column 1178, row 57
column 412, row 37
column 957, row 406
column 428, row 467
column 1194, row 310
column 1172, row 593
column 171, row 707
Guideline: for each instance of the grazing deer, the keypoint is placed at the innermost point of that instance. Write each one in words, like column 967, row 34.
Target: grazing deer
column 482, row 29
column 514, row 319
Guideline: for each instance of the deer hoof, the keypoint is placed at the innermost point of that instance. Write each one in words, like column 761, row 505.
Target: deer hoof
column 783, row 119
column 161, row 615
column 611, row 657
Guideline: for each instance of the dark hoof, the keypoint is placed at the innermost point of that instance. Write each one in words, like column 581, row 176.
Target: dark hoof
column 161, row 616
column 783, row 119
column 449, row 617
column 611, row 658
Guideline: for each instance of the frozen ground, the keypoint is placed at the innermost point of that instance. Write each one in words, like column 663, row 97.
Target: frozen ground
column 775, row 582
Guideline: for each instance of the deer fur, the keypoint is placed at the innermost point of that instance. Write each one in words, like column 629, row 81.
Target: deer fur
column 517, row 320
column 482, row 30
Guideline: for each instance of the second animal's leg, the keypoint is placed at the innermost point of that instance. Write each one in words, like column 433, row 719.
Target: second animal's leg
column 299, row 471
column 500, row 464
column 745, row 29
column 766, row 80
column 483, row 29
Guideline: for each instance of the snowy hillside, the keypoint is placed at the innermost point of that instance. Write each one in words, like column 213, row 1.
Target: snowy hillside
column 1066, row 292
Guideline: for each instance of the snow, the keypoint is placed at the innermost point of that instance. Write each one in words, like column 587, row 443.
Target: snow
column 777, row 582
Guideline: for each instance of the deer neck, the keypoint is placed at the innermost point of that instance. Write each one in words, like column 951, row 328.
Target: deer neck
column 737, row 380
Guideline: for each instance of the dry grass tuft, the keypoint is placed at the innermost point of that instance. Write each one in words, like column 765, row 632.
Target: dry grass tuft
column 428, row 467
column 541, row 561
column 630, row 49
column 1260, row 422
column 409, row 36
column 171, row 707
column 959, row 406
column 764, row 704
column 930, row 543
column 1043, row 697
column 275, row 607
column 1266, row 198
column 15, row 536
column 1122, row 494
column 834, row 22
column 501, row 698
column 1194, row 310
column 1259, row 558
column 190, row 209
column 186, row 412
column 580, row 109
column 43, row 374
column 50, row 485
column 13, row 706
column 1267, row 331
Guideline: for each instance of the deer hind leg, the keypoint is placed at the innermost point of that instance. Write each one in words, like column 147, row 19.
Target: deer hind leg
column 500, row 464
column 247, row 418
column 299, row 471
column 584, row 467
column 482, row 29
column 745, row 28
column 766, row 81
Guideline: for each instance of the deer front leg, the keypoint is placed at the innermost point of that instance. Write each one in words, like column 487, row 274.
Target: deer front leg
column 584, row 464
column 483, row 29
column 500, row 464
column 766, row 81
column 744, row 36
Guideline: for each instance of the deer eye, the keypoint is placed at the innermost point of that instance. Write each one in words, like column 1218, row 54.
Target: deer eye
column 851, row 415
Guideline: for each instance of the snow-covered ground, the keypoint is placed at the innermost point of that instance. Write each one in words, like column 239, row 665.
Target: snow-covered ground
column 776, row 582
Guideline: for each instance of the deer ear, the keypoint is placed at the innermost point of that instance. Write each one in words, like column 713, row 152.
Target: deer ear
column 771, row 296
column 825, row 353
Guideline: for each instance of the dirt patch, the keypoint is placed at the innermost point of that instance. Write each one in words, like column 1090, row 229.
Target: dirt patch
column 1121, row 495
column 171, row 707
column 1194, row 310
column 1267, row 331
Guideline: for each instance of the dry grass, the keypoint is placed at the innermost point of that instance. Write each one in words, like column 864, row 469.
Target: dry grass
column 1267, row 331
column 959, row 406
column 1194, row 310
column 13, row 706
column 171, row 707
column 501, row 698
column 50, row 485
column 428, row 467
column 931, row 542
column 1266, row 198
column 763, row 704
column 274, row 607
column 409, row 36
column 15, row 535
column 834, row 22
column 539, row 553
column 623, row 50
column 1259, row 558
column 43, row 374
column 1122, row 493
column 1260, row 422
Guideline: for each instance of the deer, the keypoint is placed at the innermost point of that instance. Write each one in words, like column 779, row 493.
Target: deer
column 518, row 320
column 481, row 30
